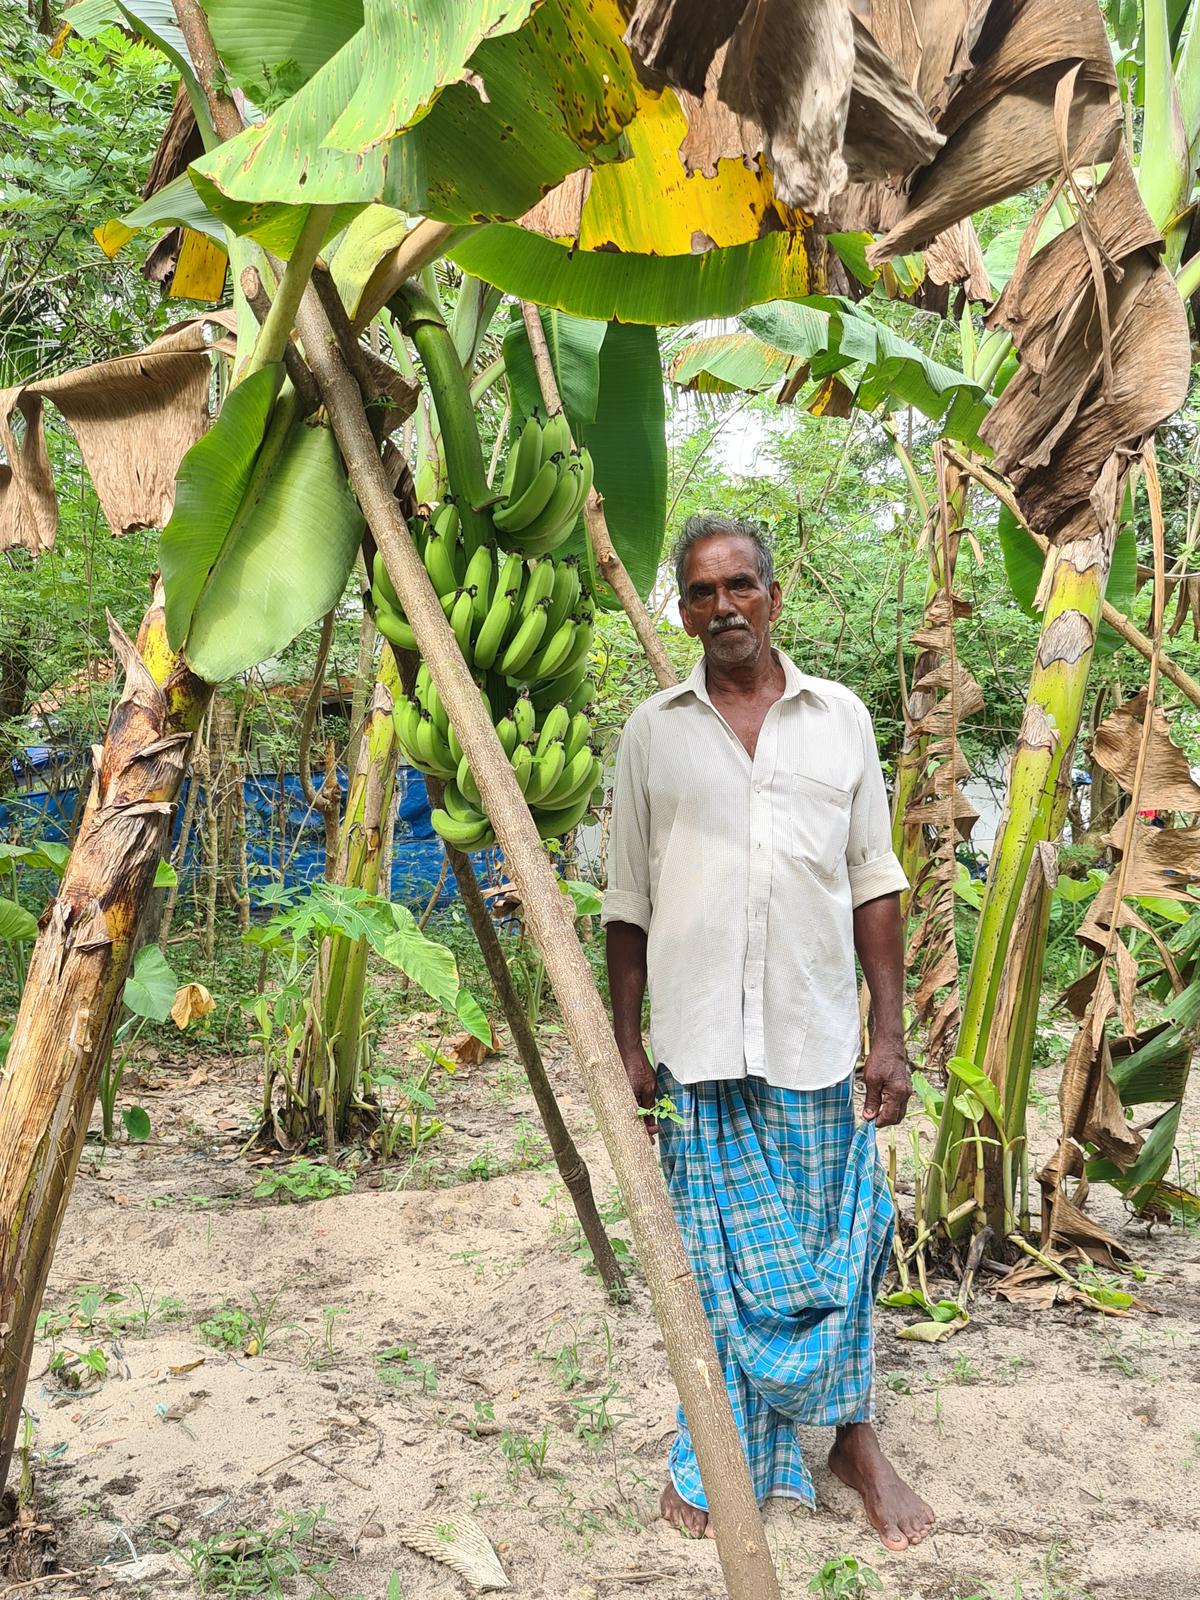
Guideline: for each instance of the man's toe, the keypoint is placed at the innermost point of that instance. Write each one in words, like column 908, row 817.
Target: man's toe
column 894, row 1537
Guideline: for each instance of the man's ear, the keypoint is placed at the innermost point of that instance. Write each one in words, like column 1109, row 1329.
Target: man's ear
column 776, row 602
column 688, row 626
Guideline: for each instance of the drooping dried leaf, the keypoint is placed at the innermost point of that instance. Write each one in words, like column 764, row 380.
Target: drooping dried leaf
column 192, row 1001
column 955, row 257
column 1167, row 783
column 134, row 418
column 676, row 40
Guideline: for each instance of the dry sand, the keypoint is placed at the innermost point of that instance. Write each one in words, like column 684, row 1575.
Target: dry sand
column 1052, row 1442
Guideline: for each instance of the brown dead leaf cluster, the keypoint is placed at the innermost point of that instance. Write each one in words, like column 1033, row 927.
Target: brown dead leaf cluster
column 134, row 418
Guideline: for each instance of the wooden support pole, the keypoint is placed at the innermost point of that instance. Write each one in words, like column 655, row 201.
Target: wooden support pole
column 612, row 568
column 741, row 1543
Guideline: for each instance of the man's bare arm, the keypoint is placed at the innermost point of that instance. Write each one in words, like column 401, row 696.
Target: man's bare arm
column 879, row 943
column 626, row 951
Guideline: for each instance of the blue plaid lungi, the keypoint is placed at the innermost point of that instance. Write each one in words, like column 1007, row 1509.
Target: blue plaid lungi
column 787, row 1222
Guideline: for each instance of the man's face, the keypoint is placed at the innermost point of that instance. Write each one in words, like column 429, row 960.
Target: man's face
column 725, row 603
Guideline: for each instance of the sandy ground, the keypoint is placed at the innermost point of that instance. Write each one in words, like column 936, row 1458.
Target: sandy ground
column 1060, row 1448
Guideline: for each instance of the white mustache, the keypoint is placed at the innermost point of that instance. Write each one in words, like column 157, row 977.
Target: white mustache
column 727, row 627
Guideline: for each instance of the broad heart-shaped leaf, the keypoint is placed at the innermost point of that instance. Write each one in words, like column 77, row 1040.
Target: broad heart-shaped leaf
column 433, row 966
column 211, row 492
column 556, row 92
column 150, row 987
column 831, row 334
column 1024, row 562
column 574, row 344
column 17, row 926
column 284, row 562
column 659, row 290
column 137, row 1122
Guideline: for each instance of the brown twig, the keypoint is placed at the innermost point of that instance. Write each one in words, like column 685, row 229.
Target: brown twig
column 260, row 304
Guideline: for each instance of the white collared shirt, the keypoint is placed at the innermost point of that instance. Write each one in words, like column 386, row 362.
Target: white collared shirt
column 745, row 875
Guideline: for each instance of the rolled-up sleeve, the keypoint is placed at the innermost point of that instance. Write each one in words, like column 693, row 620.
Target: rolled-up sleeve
column 627, row 897
column 872, row 864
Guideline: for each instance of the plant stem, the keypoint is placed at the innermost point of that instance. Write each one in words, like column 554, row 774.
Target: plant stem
column 276, row 330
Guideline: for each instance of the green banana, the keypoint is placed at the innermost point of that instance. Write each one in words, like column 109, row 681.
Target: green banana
column 524, row 642
column 522, row 765
column 558, row 648
column 506, row 732
column 554, row 726
column 556, row 436
column 525, row 460
column 462, row 835
column 460, row 620
column 394, row 628
column 383, row 585
column 579, row 733
column 565, row 595
column 554, row 824
column 553, row 521
column 580, row 650
column 540, row 586
column 575, row 778
column 439, row 564
column 582, row 697
column 547, row 770
column 447, row 522
column 453, row 745
column 561, row 688
column 479, row 577
column 494, row 629
column 518, row 514
column 459, row 807
column 404, row 714
column 465, row 779
column 524, row 718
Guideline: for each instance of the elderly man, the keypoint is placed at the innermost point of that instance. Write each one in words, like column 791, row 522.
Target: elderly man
column 750, row 860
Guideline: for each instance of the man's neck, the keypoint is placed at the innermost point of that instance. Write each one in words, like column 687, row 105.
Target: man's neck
column 745, row 679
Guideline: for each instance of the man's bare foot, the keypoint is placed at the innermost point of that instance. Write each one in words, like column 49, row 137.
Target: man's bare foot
column 896, row 1512
column 681, row 1514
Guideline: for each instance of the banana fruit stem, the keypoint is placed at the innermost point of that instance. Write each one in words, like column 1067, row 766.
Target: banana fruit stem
column 426, row 327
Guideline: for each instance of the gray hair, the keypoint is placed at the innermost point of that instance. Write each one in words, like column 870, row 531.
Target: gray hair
column 712, row 524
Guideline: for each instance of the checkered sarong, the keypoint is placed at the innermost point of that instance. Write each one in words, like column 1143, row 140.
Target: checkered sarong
column 787, row 1223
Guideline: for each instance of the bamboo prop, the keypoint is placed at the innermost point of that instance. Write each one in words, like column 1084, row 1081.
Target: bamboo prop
column 572, row 1168
column 741, row 1542
column 1117, row 620
column 612, row 568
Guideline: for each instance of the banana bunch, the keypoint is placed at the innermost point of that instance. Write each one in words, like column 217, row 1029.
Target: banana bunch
column 545, row 485
column 554, row 765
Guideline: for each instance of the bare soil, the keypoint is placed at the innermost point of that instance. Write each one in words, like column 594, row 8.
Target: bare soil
column 1060, row 1448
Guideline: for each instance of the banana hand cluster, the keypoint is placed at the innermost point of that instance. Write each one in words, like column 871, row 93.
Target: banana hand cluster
column 545, row 485
column 553, row 763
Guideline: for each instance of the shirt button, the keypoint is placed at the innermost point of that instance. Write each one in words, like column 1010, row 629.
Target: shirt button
column 758, row 788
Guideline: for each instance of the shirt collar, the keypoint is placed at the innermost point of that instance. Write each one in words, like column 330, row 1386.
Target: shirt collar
column 695, row 684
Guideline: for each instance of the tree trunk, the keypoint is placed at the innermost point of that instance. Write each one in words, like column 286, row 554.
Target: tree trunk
column 77, row 972
column 741, row 1542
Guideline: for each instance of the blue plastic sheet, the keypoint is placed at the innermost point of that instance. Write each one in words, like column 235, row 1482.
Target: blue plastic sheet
column 285, row 838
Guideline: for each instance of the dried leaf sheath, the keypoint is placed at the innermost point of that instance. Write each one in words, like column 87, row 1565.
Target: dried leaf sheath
column 70, row 1004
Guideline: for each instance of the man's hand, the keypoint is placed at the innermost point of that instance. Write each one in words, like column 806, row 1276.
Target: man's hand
column 889, row 1083
column 642, row 1080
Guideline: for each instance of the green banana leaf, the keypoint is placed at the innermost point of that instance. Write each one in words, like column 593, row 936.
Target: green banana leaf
column 729, row 363
column 609, row 285
column 272, row 50
column 153, row 19
column 176, row 205
column 210, row 494
column 285, row 563
column 1023, row 563
column 608, row 374
column 263, row 535
column 575, row 344
column 829, row 334
column 558, row 89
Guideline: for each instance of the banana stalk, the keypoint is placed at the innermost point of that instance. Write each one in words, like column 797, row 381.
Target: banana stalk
column 465, row 466
column 1033, row 810
column 329, row 1069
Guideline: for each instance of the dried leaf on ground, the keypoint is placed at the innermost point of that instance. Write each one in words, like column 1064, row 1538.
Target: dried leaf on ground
column 469, row 1051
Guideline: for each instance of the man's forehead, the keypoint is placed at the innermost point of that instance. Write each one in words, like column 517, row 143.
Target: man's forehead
column 726, row 553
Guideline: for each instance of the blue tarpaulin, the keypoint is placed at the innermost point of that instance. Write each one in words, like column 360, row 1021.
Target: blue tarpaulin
column 285, row 838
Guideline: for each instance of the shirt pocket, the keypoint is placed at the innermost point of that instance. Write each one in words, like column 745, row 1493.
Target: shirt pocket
column 820, row 824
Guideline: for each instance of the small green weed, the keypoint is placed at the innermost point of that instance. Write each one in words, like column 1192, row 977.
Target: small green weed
column 844, row 1578
column 248, row 1563
column 397, row 1368
column 303, row 1179
column 522, row 1451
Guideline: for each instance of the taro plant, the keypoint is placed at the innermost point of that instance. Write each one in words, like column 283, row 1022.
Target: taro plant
column 149, row 995
column 304, row 920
